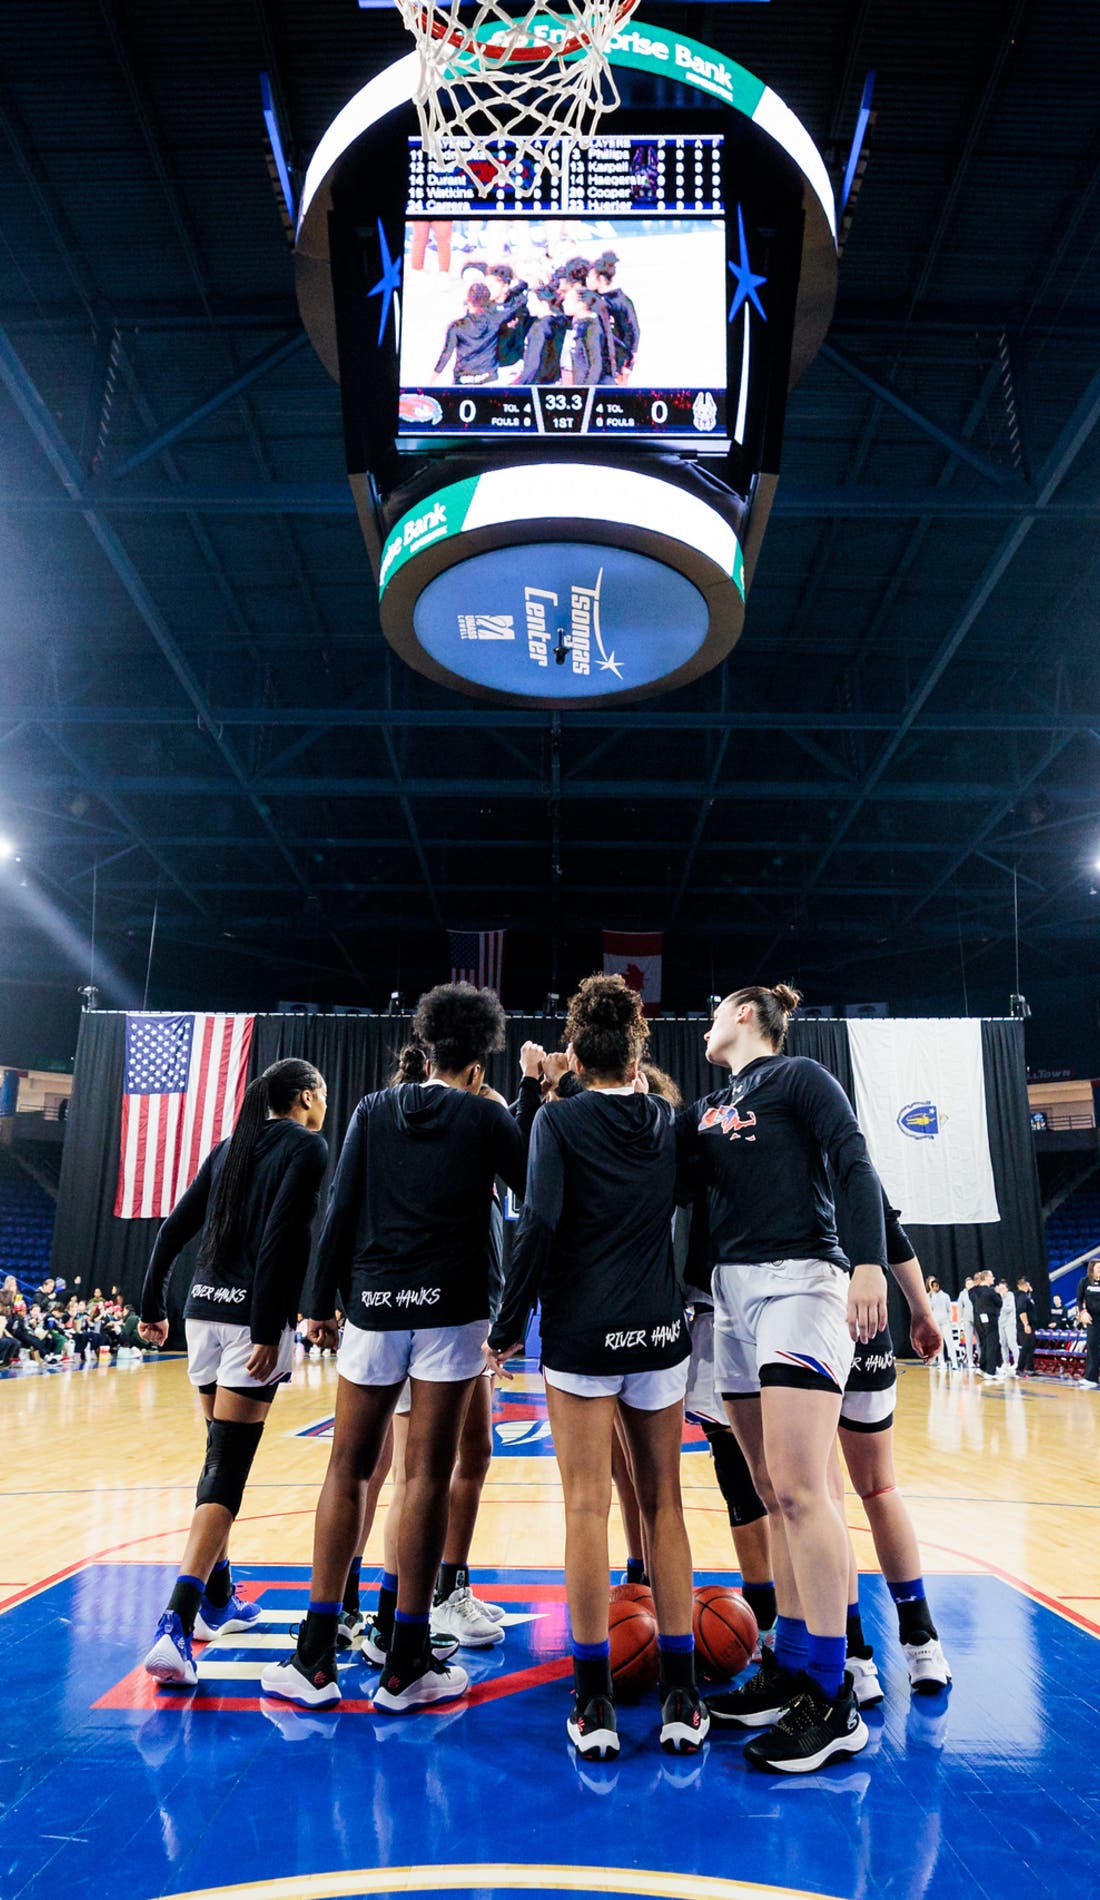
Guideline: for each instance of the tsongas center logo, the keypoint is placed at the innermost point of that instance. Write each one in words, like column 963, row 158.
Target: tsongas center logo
column 545, row 637
column 920, row 1120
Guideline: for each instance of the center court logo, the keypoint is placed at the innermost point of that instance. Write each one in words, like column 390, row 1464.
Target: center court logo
column 521, row 1427
column 920, row 1121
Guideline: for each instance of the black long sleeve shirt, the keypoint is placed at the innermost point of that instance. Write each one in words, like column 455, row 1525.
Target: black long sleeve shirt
column 594, row 1238
column 407, row 1234
column 473, row 342
column 760, row 1147
column 257, row 1281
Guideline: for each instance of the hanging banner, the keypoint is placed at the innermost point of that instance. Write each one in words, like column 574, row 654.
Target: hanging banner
column 920, row 1099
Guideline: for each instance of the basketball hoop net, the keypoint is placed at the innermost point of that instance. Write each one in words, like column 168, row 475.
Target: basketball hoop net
column 539, row 81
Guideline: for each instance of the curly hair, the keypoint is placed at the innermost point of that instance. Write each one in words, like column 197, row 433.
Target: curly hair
column 661, row 1083
column 459, row 1025
column 606, row 1025
column 412, row 1064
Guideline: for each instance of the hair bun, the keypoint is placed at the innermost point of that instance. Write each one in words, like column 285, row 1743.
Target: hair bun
column 787, row 998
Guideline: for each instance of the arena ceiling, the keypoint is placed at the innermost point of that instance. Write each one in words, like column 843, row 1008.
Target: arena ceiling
column 195, row 697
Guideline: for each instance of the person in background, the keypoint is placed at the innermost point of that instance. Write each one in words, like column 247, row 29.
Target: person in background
column 9, row 1346
column 1025, row 1327
column 1088, row 1313
column 1006, row 1324
column 965, row 1311
column 986, row 1303
column 941, row 1313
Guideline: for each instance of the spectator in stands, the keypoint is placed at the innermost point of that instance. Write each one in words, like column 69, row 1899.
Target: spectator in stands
column 9, row 1296
column 9, row 1345
column 1088, row 1308
column 941, row 1313
column 1025, row 1328
column 1059, row 1314
column 966, row 1322
column 986, row 1303
column 47, row 1293
column 1006, row 1324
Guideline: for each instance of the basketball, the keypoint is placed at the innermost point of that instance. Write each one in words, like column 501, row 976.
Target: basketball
column 634, row 1593
column 725, row 1630
column 634, row 1664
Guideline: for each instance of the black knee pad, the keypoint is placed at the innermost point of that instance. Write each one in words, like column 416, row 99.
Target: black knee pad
column 230, row 1449
column 734, row 1477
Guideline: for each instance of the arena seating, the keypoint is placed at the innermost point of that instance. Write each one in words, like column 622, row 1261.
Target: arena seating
column 26, row 1226
column 1070, row 1231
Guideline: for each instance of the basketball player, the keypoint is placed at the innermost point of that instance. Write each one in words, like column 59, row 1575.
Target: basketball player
column 985, row 1303
column 623, row 317
column 594, row 1244
column 867, row 1441
column 966, row 1323
column 787, row 1309
column 1088, row 1309
column 253, row 1200
column 407, row 1226
column 941, row 1312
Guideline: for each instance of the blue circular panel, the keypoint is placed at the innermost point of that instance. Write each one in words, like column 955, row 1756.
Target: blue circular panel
column 617, row 618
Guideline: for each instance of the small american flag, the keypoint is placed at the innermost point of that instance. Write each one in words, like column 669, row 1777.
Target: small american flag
column 477, row 956
column 181, row 1094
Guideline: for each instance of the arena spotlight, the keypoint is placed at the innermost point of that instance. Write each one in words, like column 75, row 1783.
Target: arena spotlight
column 7, row 851
column 712, row 1004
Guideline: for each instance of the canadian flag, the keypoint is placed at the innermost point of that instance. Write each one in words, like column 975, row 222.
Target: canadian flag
column 636, row 955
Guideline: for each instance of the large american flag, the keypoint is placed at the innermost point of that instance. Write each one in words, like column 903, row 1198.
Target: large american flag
column 477, row 956
column 181, row 1094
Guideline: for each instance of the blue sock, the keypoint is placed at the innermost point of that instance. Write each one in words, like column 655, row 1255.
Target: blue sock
column 915, row 1623
column 592, row 1652
column 907, row 1592
column 389, row 1581
column 825, row 1663
column 791, row 1642
column 635, row 1570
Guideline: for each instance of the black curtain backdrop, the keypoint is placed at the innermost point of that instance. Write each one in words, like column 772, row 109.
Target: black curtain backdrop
column 356, row 1054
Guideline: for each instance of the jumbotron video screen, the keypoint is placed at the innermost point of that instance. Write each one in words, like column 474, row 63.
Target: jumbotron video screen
column 593, row 304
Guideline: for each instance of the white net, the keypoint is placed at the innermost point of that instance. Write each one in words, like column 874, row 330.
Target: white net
column 501, row 90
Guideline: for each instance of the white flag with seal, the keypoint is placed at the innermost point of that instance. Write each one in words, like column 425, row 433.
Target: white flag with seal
column 920, row 1099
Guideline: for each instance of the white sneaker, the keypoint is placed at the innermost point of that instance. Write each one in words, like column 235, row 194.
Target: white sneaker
column 441, row 1682
column 1087, row 1385
column 461, row 1617
column 927, row 1666
column 865, row 1680
column 288, row 1683
column 494, row 1611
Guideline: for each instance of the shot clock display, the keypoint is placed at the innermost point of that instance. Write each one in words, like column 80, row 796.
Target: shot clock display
column 591, row 305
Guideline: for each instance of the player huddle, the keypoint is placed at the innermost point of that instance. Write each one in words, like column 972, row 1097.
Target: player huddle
column 772, row 1166
column 576, row 329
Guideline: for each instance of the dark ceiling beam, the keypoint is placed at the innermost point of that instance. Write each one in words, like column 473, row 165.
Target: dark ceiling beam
column 489, row 791
column 1000, row 474
column 619, row 719
column 1072, row 440
column 845, row 502
column 46, row 433
column 201, row 412
column 91, row 781
column 533, row 887
column 208, row 842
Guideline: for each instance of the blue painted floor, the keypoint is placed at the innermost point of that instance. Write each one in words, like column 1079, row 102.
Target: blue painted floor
column 110, row 1789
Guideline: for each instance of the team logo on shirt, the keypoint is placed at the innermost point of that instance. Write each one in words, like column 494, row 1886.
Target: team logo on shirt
column 920, row 1120
column 730, row 1120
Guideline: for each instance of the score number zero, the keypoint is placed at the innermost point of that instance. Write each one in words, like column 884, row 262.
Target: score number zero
column 556, row 403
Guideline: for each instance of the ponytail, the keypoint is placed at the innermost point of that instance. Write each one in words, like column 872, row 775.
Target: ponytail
column 774, row 1008
column 272, row 1093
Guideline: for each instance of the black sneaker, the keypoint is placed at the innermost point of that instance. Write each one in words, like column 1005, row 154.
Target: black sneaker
column 592, row 1729
column 760, row 1701
column 685, row 1722
column 812, row 1732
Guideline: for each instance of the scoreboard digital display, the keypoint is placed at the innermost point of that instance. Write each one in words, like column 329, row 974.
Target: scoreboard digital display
column 590, row 304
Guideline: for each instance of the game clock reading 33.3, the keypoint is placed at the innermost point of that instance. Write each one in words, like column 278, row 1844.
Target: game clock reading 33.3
column 587, row 305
